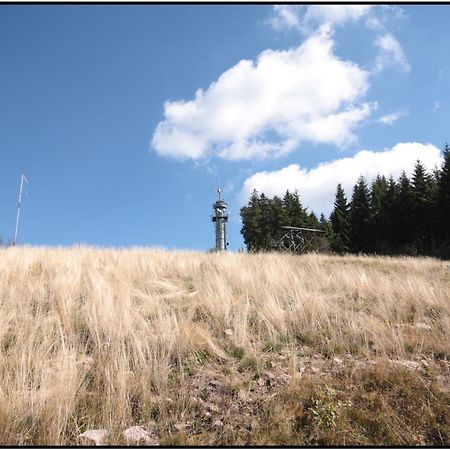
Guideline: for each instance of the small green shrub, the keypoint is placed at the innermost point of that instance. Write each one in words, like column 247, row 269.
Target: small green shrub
column 237, row 352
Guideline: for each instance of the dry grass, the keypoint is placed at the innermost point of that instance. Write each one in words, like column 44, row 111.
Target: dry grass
column 99, row 338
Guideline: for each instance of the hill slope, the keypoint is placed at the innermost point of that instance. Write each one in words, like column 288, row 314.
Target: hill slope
column 223, row 349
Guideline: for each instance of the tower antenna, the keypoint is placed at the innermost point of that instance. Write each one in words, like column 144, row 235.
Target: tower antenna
column 22, row 179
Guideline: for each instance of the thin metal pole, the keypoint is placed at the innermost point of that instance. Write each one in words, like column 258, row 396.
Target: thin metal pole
column 22, row 178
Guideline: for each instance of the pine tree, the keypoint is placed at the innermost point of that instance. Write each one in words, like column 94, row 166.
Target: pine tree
column 312, row 221
column 378, row 218
column 295, row 213
column 265, row 227
column 443, row 201
column 323, row 241
column 403, row 217
column 278, row 217
column 360, row 239
column 325, row 224
column 433, row 213
column 388, row 214
column 422, row 192
column 251, row 219
column 340, row 222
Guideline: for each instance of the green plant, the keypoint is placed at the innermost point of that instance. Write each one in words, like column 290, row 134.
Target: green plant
column 237, row 352
column 326, row 408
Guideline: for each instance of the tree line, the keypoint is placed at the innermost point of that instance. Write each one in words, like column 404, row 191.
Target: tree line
column 407, row 216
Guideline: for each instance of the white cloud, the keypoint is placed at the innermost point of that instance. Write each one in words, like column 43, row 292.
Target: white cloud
column 317, row 186
column 229, row 186
column 335, row 14
column 305, row 18
column 390, row 53
column 436, row 105
column 285, row 17
column 267, row 107
column 390, row 119
column 384, row 13
column 308, row 18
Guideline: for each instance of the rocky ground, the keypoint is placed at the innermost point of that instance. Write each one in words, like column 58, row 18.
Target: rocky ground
column 297, row 399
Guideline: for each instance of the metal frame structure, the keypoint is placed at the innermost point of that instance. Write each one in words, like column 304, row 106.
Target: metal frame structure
column 295, row 239
column 22, row 179
column 220, row 218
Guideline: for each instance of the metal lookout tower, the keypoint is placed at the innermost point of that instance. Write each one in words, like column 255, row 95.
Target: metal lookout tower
column 220, row 217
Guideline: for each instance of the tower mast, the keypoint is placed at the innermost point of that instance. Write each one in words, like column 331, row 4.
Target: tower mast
column 22, row 179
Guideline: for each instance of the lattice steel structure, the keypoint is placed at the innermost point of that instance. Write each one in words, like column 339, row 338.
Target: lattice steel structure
column 220, row 218
column 22, row 179
column 295, row 239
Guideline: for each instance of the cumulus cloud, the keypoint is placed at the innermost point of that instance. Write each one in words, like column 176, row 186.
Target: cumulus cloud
column 308, row 18
column 390, row 53
column 335, row 14
column 304, row 18
column 390, row 119
column 268, row 106
column 285, row 17
column 384, row 13
column 317, row 185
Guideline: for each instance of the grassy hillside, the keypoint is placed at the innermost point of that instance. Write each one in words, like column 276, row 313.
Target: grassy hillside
column 223, row 349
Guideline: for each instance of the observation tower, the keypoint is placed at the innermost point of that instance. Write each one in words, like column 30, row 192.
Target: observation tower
column 220, row 218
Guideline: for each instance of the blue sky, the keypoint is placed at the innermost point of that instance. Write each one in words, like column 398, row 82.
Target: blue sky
column 100, row 107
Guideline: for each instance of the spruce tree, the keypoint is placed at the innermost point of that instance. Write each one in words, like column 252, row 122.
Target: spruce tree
column 251, row 219
column 340, row 222
column 323, row 240
column 278, row 217
column 403, row 217
column 378, row 214
column 388, row 214
column 295, row 213
column 433, row 213
column 422, row 192
column 265, row 226
column 360, row 239
column 312, row 221
column 325, row 224
column 443, row 201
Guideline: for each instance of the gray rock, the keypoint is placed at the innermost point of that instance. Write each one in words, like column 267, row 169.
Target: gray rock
column 138, row 435
column 212, row 407
column 411, row 365
column 97, row 436
column 180, row 426
column 423, row 326
column 242, row 395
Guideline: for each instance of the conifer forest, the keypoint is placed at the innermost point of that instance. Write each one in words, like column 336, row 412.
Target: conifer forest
column 405, row 216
